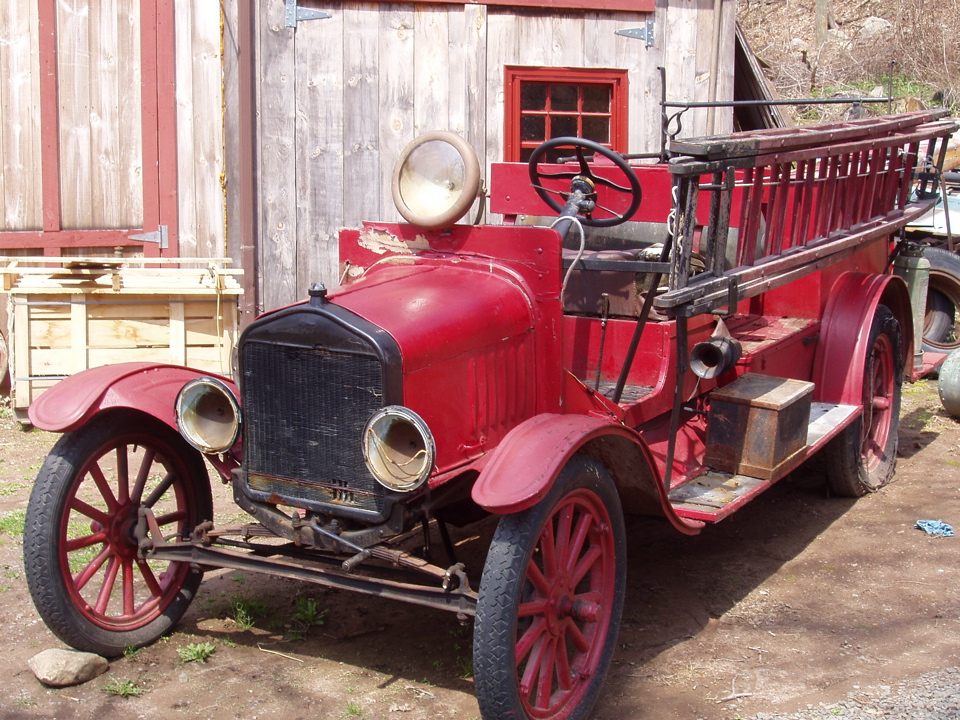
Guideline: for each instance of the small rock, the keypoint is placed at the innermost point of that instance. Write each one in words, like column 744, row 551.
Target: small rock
column 61, row 668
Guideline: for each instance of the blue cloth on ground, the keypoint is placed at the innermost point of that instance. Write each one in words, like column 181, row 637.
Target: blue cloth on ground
column 935, row 527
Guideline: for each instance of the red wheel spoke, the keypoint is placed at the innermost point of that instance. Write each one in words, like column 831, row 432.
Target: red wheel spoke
column 149, row 578
column 91, row 512
column 83, row 577
column 586, row 563
column 160, row 489
column 564, row 523
column 106, row 590
column 123, row 475
column 548, row 548
column 564, row 676
column 149, row 606
column 128, row 587
column 85, row 541
column 103, row 486
column 545, row 677
column 145, row 466
column 579, row 639
column 532, row 608
column 535, row 576
column 171, row 517
column 531, row 671
column 528, row 640
column 579, row 537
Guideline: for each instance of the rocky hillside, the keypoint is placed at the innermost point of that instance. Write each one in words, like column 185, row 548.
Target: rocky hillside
column 918, row 40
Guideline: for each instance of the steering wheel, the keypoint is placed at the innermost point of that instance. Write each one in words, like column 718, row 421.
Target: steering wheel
column 578, row 146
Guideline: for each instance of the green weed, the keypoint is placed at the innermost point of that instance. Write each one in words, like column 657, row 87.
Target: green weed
column 353, row 710
column 122, row 688
column 307, row 612
column 197, row 652
column 243, row 611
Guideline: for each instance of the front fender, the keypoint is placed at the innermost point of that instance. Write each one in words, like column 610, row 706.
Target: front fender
column 845, row 334
column 148, row 387
column 524, row 466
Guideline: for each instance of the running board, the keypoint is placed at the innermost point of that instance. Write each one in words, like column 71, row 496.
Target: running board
column 714, row 495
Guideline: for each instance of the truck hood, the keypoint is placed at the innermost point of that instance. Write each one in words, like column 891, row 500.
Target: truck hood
column 441, row 310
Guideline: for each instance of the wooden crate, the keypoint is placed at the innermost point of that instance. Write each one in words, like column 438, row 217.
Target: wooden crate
column 86, row 312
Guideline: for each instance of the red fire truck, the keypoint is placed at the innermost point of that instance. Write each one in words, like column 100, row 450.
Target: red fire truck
column 665, row 339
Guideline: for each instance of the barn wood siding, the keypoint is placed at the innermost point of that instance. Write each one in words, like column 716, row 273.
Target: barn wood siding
column 364, row 83
column 19, row 119
column 200, row 145
column 101, row 132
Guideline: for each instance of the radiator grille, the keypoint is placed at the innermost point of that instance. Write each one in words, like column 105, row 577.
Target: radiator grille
column 304, row 412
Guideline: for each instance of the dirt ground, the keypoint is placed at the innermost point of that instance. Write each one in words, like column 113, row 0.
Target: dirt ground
column 797, row 599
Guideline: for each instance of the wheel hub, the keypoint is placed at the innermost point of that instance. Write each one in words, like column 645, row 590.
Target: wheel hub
column 121, row 531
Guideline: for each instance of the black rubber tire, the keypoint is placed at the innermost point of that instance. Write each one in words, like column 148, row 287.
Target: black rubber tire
column 863, row 458
column 505, row 584
column 941, row 326
column 67, row 499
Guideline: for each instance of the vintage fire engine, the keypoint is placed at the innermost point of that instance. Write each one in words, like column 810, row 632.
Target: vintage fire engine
column 557, row 373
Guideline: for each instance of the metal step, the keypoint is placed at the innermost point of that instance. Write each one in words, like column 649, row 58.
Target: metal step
column 714, row 495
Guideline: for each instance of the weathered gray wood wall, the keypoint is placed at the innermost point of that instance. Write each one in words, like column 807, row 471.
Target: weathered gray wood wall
column 339, row 98
column 19, row 123
column 101, row 134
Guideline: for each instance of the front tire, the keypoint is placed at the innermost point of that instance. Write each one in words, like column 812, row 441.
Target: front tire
column 863, row 457
column 551, row 599
column 83, row 570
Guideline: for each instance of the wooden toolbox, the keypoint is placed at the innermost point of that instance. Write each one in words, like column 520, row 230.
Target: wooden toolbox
column 757, row 424
column 86, row 312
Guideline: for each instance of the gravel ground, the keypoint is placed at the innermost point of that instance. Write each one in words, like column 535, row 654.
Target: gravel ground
column 933, row 696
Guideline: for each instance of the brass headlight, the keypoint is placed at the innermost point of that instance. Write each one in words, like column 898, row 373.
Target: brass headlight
column 398, row 448
column 208, row 415
column 436, row 180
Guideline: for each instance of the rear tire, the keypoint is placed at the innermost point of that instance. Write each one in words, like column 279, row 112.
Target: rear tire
column 862, row 459
column 550, row 601
column 941, row 326
column 83, row 567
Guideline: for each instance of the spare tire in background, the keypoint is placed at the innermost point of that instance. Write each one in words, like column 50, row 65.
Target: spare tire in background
column 941, row 326
column 948, row 384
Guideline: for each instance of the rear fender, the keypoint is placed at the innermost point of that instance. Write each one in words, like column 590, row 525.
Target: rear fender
column 845, row 334
column 525, row 465
column 150, row 388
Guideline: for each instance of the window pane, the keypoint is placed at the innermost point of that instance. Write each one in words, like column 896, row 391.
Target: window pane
column 563, row 98
column 533, row 127
column 563, row 125
column 597, row 128
column 596, row 98
column 533, row 96
column 525, row 154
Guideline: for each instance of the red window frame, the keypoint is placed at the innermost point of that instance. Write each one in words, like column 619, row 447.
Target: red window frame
column 514, row 79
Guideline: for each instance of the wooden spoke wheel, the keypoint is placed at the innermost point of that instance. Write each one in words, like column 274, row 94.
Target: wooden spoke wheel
column 550, row 601
column 84, row 568
column 862, row 459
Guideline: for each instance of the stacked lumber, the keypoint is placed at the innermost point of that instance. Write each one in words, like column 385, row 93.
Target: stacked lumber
column 70, row 314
